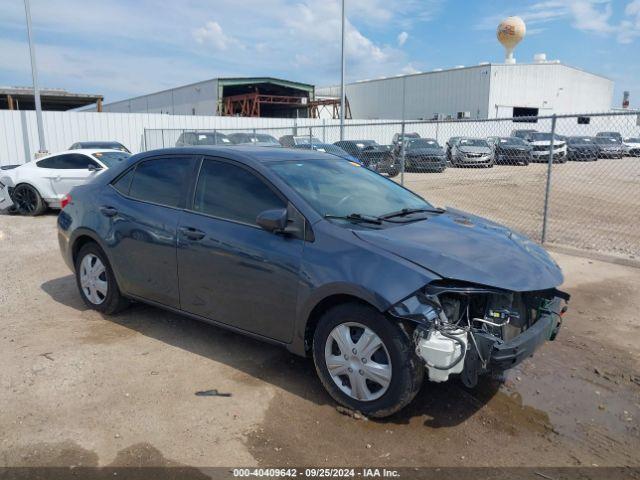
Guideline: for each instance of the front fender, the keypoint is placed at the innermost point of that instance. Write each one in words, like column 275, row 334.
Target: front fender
column 339, row 263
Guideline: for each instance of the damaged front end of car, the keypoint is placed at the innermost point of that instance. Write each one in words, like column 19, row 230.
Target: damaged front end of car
column 468, row 330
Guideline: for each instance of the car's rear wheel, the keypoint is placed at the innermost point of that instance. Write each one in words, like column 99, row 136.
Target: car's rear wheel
column 365, row 361
column 393, row 172
column 28, row 201
column 96, row 281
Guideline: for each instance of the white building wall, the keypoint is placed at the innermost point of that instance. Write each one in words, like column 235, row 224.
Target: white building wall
column 446, row 93
column 485, row 91
column 550, row 87
column 196, row 99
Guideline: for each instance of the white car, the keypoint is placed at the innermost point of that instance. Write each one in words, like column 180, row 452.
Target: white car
column 541, row 143
column 632, row 146
column 35, row 186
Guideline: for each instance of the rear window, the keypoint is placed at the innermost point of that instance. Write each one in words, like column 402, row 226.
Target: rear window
column 162, row 180
column 111, row 159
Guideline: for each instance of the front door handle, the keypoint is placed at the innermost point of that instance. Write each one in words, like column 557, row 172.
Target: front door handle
column 192, row 233
column 108, row 211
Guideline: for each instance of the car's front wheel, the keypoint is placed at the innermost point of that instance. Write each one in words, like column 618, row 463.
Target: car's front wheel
column 366, row 361
column 96, row 281
column 28, row 201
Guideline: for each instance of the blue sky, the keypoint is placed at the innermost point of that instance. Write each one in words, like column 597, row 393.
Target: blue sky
column 122, row 48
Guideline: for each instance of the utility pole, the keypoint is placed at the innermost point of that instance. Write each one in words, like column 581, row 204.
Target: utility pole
column 34, row 74
column 342, row 93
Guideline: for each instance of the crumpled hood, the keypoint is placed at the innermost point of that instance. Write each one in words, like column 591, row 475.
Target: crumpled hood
column 460, row 246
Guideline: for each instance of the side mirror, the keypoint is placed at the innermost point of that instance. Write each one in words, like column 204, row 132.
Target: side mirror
column 93, row 168
column 273, row 220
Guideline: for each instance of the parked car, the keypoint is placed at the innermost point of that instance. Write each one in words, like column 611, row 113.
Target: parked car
column 610, row 147
column 469, row 152
column 582, row 149
column 632, row 146
column 424, row 154
column 293, row 140
column 510, row 150
column 257, row 139
column 396, row 144
column 541, row 143
column 523, row 133
column 374, row 156
column 33, row 187
column 615, row 135
column 449, row 146
column 330, row 149
column 193, row 138
column 319, row 255
column 99, row 145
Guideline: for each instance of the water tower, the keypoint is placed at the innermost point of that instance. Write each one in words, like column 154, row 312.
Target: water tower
column 510, row 32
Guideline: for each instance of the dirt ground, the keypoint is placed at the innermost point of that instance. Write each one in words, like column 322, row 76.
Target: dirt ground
column 592, row 205
column 81, row 389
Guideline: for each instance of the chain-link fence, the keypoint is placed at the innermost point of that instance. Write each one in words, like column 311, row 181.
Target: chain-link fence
column 570, row 180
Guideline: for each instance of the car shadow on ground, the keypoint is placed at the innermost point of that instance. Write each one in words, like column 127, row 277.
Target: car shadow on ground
column 443, row 405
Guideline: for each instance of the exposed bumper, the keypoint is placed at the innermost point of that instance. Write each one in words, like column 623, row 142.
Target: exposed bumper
column 497, row 355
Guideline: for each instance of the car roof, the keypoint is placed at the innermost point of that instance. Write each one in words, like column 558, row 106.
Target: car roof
column 242, row 153
column 86, row 151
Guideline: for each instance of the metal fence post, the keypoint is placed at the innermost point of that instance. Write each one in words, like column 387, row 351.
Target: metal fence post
column 324, row 131
column 402, row 128
column 162, row 137
column 310, row 136
column 545, row 215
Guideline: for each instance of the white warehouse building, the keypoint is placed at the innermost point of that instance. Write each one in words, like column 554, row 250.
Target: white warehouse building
column 488, row 90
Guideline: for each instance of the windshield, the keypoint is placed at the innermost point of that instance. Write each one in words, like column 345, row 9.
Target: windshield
column 263, row 138
column 472, row 142
column 607, row 141
column 422, row 143
column 111, row 159
column 580, row 141
column 337, row 187
column 305, row 140
column 543, row 137
column 512, row 141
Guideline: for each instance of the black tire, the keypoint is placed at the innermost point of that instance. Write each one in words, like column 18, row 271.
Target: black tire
column 114, row 302
column 407, row 370
column 525, row 163
column 393, row 172
column 28, row 201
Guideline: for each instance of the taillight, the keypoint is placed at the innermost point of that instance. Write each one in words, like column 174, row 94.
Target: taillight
column 66, row 200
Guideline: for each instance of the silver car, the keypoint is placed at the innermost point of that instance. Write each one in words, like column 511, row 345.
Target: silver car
column 467, row 152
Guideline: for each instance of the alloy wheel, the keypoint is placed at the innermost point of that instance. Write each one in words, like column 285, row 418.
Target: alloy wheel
column 25, row 199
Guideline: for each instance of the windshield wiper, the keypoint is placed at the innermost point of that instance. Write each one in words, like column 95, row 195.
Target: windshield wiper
column 409, row 211
column 355, row 217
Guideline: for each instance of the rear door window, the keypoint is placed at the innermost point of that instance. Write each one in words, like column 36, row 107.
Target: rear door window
column 227, row 191
column 163, row 181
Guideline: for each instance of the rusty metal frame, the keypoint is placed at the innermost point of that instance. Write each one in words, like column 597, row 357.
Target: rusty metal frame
column 248, row 104
column 316, row 106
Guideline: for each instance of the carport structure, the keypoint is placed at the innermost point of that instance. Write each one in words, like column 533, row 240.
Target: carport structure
column 56, row 99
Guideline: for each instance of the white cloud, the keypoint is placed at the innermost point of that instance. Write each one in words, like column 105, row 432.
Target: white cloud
column 402, row 38
column 153, row 36
column 213, row 36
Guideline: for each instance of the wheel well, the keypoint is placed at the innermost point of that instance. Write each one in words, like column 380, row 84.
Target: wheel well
column 323, row 306
column 80, row 242
column 28, row 185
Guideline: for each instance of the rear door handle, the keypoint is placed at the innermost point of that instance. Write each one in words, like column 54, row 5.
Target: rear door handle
column 192, row 233
column 108, row 211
